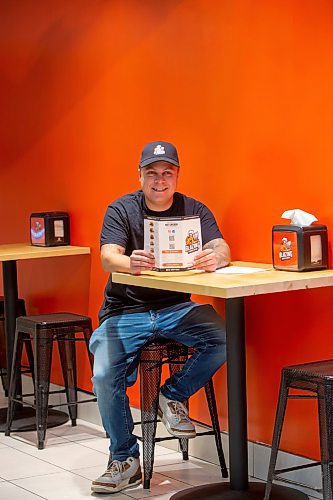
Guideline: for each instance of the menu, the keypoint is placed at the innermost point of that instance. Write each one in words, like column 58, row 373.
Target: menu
column 174, row 241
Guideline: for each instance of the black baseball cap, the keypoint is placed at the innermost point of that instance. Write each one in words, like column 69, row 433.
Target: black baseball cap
column 159, row 151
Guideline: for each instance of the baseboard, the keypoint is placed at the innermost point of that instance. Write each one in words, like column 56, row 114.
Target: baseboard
column 204, row 447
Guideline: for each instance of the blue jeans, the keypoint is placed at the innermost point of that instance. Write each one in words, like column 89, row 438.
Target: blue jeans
column 116, row 344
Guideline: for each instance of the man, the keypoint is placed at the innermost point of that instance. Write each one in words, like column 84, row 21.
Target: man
column 132, row 316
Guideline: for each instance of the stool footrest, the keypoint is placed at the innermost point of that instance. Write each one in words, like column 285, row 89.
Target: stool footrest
column 24, row 402
column 297, row 483
column 167, row 438
column 297, row 467
column 301, row 396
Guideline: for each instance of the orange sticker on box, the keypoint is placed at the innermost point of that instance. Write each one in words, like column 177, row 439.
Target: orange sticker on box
column 285, row 249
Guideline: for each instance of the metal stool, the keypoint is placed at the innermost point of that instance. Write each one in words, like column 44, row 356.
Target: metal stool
column 153, row 356
column 315, row 377
column 3, row 348
column 43, row 330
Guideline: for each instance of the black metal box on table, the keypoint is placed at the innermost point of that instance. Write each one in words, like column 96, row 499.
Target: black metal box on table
column 300, row 248
column 49, row 229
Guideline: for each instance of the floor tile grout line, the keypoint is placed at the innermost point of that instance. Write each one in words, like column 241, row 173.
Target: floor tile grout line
column 40, row 475
column 57, row 444
column 25, row 489
column 174, row 479
column 69, row 470
column 186, row 486
column 28, row 444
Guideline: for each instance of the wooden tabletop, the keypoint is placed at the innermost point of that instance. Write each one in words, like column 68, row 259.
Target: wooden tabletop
column 232, row 285
column 21, row 251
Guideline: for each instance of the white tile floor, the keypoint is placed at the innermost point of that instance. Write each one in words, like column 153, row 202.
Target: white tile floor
column 73, row 456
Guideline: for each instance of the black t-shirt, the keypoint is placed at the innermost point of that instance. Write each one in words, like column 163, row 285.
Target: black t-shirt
column 123, row 225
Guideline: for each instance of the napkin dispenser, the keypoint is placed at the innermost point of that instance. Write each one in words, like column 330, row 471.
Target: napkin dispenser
column 299, row 248
column 49, row 229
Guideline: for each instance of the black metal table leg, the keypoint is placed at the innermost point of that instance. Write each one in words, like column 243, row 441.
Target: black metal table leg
column 9, row 272
column 24, row 416
column 237, row 407
column 239, row 487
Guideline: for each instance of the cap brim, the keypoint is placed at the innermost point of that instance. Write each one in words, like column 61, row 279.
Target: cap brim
column 154, row 159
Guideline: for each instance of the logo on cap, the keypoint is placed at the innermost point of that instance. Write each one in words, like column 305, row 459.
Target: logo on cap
column 159, row 150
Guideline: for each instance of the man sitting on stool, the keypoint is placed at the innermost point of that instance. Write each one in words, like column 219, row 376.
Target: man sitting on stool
column 132, row 316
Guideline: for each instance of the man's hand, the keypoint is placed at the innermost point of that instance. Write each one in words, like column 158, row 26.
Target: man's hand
column 206, row 261
column 114, row 260
column 215, row 254
column 140, row 260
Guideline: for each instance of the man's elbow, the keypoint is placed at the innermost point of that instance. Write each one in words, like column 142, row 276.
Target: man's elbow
column 108, row 263
column 226, row 255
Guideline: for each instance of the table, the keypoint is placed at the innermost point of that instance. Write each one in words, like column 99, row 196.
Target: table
column 233, row 288
column 9, row 255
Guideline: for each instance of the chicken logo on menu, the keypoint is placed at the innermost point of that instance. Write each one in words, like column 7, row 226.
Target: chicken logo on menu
column 192, row 241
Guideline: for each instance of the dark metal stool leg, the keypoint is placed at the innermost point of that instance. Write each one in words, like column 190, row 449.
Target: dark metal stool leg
column 4, row 372
column 3, row 361
column 15, row 376
column 67, row 351
column 30, row 356
column 87, row 334
column 183, row 444
column 43, row 357
column 280, row 413
column 325, row 414
column 175, row 365
column 211, row 401
column 150, row 380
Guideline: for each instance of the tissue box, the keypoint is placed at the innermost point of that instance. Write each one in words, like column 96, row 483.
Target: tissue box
column 48, row 229
column 174, row 241
column 299, row 248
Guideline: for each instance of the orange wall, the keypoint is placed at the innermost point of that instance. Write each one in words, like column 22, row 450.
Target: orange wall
column 244, row 88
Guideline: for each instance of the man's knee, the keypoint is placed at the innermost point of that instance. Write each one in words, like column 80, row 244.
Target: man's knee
column 114, row 378
column 107, row 380
column 215, row 326
column 205, row 314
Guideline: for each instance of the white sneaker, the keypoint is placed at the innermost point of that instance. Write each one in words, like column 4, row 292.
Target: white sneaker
column 174, row 416
column 118, row 476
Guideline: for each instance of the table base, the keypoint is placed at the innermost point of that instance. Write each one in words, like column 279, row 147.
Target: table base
column 25, row 419
column 255, row 491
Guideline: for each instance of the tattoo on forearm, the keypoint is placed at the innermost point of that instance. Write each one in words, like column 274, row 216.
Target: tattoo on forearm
column 221, row 250
column 214, row 245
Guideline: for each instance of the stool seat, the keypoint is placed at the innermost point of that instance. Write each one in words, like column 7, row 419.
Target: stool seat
column 43, row 330
column 321, row 370
column 54, row 320
column 168, row 349
column 317, row 378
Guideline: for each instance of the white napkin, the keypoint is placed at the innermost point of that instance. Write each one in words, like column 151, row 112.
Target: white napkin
column 299, row 217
